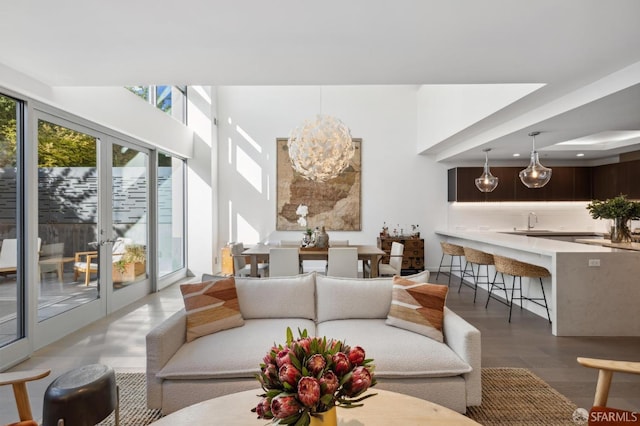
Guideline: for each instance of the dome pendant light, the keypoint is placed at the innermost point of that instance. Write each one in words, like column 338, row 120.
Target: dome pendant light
column 486, row 182
column 536, row 175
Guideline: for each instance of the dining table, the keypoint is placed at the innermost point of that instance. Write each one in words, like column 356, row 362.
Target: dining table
column 366, row 253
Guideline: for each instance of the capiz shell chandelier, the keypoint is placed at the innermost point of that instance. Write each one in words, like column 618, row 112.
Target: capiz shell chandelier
column 321, row 148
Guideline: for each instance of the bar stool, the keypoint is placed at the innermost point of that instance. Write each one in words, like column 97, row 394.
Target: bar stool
column 480, row 258
column 453, row 251
column 519, row 269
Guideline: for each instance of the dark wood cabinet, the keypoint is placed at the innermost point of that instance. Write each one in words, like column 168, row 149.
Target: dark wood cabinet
column 567, row 184
column 412, row 257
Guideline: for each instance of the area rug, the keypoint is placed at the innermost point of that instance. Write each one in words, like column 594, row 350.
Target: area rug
column 510, row 396
column 516, row 396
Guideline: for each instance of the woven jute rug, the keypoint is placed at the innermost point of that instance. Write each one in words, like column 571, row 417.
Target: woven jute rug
column 510, row 396
column 516, row 396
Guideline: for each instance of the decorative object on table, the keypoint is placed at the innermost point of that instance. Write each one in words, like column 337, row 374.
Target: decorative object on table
column 535, row 175
column 621, row 211
column 486, row 182
column 307, row 378
column 321, row 148
column 415, row 231
column 322, row 240
column 335, row 203
column 307, row 238
column 385, row 230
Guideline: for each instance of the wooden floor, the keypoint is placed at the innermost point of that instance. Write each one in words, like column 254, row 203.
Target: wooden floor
column 119, row 341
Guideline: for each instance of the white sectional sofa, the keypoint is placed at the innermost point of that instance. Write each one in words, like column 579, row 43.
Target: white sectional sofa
column 180, row 373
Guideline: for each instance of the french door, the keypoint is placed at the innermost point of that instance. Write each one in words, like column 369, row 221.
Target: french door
column 93, row 226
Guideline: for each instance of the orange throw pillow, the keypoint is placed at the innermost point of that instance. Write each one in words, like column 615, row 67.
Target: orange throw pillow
column 211, row 307
column 418, row 307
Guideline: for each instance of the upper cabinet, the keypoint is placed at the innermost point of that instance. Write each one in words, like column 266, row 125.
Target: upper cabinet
column 566, row 184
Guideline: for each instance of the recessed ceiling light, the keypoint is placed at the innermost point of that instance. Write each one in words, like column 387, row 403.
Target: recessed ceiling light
column 580, row 154
column 516, row 155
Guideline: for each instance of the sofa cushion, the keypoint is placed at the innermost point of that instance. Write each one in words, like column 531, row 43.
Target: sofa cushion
column 211, row 307
column 396, row 352
column 231, row 353
column 418, row 307
column 278, row 297
column 344, row 298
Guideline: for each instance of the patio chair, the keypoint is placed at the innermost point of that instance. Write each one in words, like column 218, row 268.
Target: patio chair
column 18, row 380
column 9, row 255
column 85, row 262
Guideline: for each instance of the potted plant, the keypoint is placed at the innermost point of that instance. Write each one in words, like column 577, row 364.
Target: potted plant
column 621, row 211
column 131, row 264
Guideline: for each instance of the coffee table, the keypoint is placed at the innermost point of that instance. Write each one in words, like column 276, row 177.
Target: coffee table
column 384, row 409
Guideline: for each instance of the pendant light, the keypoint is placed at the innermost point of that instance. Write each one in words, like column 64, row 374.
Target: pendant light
column 486, row 182
column 536, row 175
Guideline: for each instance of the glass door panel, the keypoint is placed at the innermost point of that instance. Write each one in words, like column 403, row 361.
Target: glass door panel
column 67, row 219
column 130, row 189
column 12, row 301
column 171, row 206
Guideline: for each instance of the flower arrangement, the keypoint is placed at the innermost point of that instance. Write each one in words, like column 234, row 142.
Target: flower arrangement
column 311, row 375
column 618, row 207
column 620, row 210
column 302, row 211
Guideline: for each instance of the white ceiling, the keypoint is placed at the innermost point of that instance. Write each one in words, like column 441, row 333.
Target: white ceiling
column 575, row 47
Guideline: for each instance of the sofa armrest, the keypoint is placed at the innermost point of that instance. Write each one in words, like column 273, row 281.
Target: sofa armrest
column 464, row 340
column 163, row 341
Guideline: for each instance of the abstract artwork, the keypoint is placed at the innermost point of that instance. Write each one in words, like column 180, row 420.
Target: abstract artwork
column 334, row 204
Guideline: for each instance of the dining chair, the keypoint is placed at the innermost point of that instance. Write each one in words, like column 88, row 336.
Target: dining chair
column 342, row 262
column 284, row 261
column 240, row 266
column 600, row 411
column 394, row 267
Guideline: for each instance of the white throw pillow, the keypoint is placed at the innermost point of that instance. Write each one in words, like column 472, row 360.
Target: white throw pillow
column 278, row 297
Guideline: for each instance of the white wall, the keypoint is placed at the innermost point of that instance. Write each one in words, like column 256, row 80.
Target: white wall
column 398, row 186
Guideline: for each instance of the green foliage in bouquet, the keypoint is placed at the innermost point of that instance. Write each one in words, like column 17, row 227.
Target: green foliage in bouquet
column 618, row 207
column 311, row 375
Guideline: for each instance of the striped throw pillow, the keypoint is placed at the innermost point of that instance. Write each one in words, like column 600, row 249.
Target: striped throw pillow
column 418, row 307
column 211, row 307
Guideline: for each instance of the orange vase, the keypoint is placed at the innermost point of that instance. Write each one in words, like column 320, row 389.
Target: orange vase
column 328, row 418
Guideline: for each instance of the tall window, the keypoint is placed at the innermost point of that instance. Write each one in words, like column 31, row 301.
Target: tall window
column 11, row 286
column 170, row 99
column 171, row 205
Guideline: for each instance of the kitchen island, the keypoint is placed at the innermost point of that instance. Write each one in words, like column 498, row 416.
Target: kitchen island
column 593, row 290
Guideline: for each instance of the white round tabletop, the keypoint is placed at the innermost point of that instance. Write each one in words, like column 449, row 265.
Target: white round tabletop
column 383, row 409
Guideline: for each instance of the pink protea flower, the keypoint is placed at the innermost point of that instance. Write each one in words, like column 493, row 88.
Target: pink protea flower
column 305, row 344
column 284, row 406
column 316, row 364
column 263, row 409
column 342, row 365
column 329, row 383
column 270, row 357
column 270, row 372
column 308, row 391
column 359, row 381
column 283, row 357
column 356, row 355
column 289, row 374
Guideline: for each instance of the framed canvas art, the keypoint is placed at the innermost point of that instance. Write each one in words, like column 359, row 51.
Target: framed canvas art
column 334, row 204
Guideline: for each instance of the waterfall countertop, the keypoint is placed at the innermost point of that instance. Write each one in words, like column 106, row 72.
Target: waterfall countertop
column 525, row 241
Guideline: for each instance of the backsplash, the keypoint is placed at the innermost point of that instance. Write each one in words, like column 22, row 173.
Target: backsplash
column 556, row 216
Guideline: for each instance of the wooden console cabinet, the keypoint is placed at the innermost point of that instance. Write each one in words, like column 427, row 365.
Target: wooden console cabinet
column 413, row 256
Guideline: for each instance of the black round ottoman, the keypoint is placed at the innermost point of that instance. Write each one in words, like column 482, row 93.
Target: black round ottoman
column 81, row 397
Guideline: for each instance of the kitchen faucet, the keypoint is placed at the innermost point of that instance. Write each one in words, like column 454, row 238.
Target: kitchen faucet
column 530, row 225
